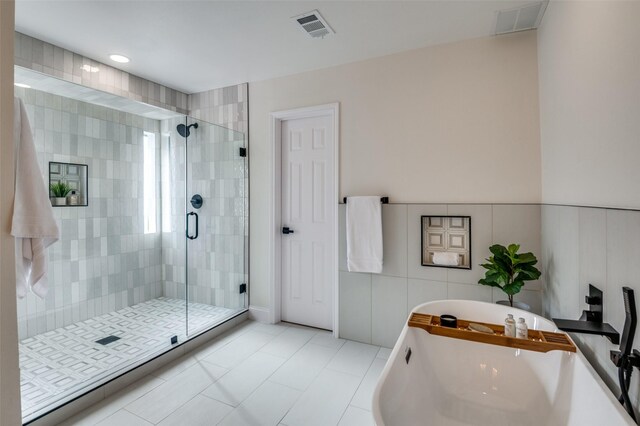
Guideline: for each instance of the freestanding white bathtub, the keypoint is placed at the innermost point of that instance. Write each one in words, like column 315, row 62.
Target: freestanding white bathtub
column 449, row 382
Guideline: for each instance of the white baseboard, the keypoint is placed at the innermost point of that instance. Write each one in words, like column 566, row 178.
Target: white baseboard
column 260, row 314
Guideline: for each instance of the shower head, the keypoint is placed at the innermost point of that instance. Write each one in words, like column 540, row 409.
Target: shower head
column 184, row 130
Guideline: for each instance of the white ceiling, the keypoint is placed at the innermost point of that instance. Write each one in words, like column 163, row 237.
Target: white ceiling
column 194, row 46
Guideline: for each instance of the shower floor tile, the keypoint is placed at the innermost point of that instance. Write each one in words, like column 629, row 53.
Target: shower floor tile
column 61, row 362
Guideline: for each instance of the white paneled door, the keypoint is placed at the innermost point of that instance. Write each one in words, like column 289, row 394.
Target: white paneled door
column 308, row 221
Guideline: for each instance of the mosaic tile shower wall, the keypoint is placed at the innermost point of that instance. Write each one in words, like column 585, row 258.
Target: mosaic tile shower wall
column 104, row 261
column 216, row 265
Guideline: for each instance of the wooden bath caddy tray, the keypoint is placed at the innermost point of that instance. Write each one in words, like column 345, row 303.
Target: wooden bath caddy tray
column 538, row 341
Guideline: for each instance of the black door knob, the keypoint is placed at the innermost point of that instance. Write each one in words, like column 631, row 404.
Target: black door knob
column 286, row 230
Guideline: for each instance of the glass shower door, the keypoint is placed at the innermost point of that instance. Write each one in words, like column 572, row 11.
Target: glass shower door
column 173, row 178
column 216, row 220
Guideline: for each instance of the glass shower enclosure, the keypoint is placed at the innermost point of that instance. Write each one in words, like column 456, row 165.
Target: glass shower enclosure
column 205, row 217
column 155, row 255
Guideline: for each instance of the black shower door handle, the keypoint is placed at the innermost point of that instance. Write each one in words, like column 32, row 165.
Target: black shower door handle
column 196, row 215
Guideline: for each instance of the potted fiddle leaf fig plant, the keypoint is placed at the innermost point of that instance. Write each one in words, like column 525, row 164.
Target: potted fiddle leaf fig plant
column 60, row 191
column 508, row 270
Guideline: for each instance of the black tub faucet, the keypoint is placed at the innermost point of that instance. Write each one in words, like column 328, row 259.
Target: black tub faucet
column 591, row 320
column 591, row 323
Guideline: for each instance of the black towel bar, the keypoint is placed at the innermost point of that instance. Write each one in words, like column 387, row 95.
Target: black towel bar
column 383, row 200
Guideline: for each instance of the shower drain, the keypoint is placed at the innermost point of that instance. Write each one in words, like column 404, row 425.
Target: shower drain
column 107, row 340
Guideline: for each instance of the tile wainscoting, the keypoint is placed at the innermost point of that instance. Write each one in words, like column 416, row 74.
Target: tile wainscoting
column 374, row 307
column 582, row 246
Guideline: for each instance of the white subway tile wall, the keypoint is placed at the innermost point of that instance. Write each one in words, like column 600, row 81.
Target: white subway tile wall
column 103, row 261
column 374, row 308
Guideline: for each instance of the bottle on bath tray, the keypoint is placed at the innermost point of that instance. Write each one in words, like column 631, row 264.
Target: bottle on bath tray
column 522, row 332
column 510, row 326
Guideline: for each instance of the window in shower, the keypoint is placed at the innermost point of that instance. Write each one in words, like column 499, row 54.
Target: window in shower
column 165, row 182
column 150, row 210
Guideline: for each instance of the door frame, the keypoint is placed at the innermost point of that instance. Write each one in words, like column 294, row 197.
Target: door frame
column 275, row 236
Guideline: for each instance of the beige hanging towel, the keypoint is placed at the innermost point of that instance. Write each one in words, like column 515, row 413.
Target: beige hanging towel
column 33, row 226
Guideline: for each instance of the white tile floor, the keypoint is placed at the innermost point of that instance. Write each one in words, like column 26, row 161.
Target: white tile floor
column 255, row 374
column 56, row 364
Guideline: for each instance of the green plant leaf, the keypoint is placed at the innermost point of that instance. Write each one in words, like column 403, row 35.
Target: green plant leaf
column 508, row 270
column 497, row 249
column 488, row 265
column 525, row 258
column 60, row 189
column 529, row 268
column 513, row 288
column 503, row 262
column 489, row 283
column 513, row 249
column 528, row 274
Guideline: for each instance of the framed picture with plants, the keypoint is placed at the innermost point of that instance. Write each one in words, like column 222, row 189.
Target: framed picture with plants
column 68, row 184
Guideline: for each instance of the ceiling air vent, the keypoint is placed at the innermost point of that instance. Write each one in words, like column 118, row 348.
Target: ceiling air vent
column 522, row 18
column 313, row 24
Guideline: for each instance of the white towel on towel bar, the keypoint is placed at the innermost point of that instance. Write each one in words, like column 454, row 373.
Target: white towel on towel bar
column 446, row 259
column 364, row 234
column 33, row 225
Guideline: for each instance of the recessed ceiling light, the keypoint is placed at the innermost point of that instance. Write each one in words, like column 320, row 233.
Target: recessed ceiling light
column 119, row 58
column 24, row 86
column 89, row 68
